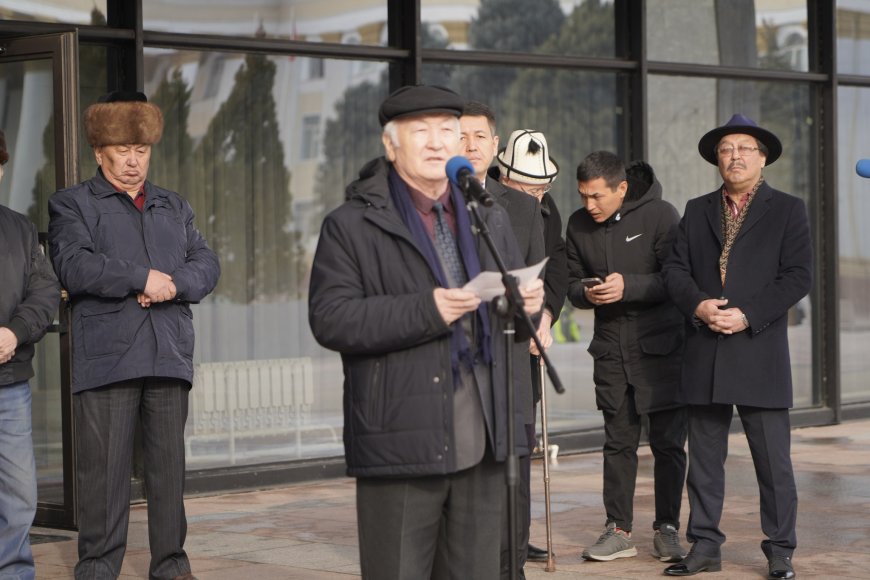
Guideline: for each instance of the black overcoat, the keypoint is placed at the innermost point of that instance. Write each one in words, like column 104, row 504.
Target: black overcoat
column 769, row 271
column 371, row 299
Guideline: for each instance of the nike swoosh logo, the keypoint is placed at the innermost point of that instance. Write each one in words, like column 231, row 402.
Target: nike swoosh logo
column 630, row 238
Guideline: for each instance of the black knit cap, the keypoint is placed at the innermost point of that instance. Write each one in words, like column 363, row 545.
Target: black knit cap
column 418, row 100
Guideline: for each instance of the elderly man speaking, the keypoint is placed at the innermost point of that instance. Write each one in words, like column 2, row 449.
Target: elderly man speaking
column 425, row 406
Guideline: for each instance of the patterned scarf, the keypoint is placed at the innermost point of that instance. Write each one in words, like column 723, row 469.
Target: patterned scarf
column 460, row 350
column 731, row 226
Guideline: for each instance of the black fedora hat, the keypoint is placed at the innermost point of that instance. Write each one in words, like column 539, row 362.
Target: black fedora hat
column 739, row 124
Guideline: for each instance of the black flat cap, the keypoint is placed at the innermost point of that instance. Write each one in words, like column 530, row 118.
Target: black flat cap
column 418, row 100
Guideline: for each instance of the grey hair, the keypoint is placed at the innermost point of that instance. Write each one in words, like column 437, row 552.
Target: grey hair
column 391, row 130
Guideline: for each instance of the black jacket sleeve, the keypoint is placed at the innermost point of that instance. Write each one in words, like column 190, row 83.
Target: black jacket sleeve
column 556, row 272
column 32, row 317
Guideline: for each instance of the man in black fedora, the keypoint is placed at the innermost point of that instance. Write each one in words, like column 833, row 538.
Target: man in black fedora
column 742, row 257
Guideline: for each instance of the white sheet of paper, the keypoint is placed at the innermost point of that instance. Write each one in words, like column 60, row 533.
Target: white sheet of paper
column 488, row 285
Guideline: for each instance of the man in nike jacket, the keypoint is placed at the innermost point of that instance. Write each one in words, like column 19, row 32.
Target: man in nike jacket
column 622, row 235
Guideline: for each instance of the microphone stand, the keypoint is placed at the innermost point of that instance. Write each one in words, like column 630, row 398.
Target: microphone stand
column 508, row 306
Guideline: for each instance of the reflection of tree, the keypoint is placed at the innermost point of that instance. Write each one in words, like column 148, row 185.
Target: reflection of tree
column 170, row 159
column 239, row 168
column 353, row 136
column 350, row 139
column 575, row 110
column 506, row 26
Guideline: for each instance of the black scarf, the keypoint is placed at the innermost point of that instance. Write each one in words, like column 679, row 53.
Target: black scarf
column 460, row 350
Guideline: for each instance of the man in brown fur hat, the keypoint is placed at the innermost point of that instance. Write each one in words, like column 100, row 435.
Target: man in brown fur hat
column 133, row 261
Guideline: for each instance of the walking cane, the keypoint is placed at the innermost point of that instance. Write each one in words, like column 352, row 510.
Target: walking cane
column 551, row 560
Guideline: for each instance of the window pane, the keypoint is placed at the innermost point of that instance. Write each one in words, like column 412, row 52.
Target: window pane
column 747, row 33
column 345, row 22
column 67, row 11
column 578, row 113
column 261, row 154
column 854, row 239
column 682, row 109
column 543, row 26
column 853, row 37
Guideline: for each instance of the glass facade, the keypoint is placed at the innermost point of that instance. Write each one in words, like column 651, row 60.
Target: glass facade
column 243, row 145
column 263, row 145
column 583, row 28
column 853, row 37
column 769, row 34
column 853, row 198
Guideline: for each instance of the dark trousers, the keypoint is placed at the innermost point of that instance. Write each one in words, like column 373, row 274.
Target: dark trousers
column 105, row 424
column 524, row 510
column 403, row 522
column 768, row 432
column 667, row 440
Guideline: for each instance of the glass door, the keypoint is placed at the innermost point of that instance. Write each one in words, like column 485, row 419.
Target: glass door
column 39, row 115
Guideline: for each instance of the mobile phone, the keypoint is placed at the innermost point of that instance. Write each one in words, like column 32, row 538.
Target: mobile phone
column 591, row 282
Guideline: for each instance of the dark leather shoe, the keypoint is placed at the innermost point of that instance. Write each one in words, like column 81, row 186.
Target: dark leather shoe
column 694, row 563
column 780, row 568
column 535, row 554
column 187, row 576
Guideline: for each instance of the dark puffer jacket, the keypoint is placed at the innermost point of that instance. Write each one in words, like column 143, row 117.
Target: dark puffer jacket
column 102, row 248
column 637, row 341
column 371, row 299
column 29, row 292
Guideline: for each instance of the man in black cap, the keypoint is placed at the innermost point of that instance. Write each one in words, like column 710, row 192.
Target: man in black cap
column 425, row 408
column 742, row 257
column 133, row 261
column 29, row 294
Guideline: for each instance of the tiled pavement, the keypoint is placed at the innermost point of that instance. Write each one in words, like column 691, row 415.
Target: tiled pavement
column 308, row 531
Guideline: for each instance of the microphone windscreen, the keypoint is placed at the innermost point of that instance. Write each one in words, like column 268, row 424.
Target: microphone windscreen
column 455, row 165
column 863, row 168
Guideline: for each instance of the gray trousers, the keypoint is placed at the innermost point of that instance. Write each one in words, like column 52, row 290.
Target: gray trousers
column 105, row 424
column 404, row 522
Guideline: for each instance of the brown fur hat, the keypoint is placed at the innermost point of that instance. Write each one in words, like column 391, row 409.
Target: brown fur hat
column 4, row 154
column 123, row 118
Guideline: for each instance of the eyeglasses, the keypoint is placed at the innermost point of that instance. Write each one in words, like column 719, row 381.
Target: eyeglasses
column 728, row 150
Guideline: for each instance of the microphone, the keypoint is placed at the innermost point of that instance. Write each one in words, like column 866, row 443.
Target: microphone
column 863, row 168
column 460, row 172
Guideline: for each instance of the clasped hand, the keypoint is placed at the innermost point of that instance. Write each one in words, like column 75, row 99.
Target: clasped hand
column 158, row 288
column 719, row 319
column 8, row 344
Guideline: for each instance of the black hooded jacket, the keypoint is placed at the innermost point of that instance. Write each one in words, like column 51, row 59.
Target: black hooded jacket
column 638, row 340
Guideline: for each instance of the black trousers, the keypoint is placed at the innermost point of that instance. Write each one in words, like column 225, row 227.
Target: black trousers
column 667, row 440
column 404, row 522
column 524, row 510
column 768, row 432
column 105, row 424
